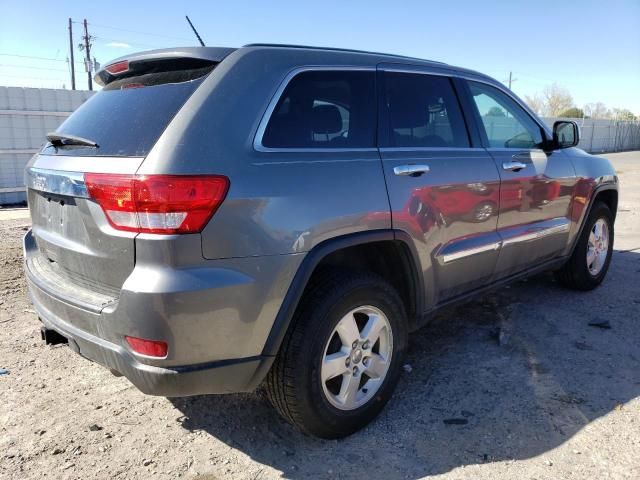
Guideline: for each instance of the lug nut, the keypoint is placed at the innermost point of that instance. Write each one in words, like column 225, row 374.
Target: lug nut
column 366, row 361
column 347, row 362
column 366, row 345
column 355, row 371
column 354, row 344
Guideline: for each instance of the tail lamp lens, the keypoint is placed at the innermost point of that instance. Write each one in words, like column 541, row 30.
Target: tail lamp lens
column 118, row 67
column 150, row 348
column 165, row 204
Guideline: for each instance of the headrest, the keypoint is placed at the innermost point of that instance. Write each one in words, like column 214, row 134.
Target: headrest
column 410, row 110
column 326, row 119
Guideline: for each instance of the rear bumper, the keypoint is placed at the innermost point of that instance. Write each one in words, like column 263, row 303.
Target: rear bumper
column 223, row 376
column 216, row 336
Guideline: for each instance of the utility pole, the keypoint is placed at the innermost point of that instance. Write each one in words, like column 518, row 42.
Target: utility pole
column 87, row 51
column 73, row 66
column 511, row 79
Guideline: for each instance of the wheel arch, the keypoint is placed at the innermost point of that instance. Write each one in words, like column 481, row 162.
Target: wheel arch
column 323, row 254
column 608, row 194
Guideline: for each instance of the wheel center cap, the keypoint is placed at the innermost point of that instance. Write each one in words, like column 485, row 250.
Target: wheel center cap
column 356, row 356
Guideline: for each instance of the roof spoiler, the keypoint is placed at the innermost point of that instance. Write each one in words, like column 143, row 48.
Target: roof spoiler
column 160, row 60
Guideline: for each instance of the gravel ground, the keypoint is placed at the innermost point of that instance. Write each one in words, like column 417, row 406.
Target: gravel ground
column 515, row 384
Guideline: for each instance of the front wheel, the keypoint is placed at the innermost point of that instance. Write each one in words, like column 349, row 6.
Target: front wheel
column 341, row 359
column 590, row 260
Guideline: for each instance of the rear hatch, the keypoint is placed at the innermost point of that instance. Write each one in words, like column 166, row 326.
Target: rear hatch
column 75, row 251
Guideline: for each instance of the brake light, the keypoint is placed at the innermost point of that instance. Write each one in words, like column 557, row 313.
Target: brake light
column 150, row 348
column 164, row 204
column 118, row 67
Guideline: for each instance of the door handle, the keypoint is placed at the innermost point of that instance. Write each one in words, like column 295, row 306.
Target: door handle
column 513, row 166
column 410, row 170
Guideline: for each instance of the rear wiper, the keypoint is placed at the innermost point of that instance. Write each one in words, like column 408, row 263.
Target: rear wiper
column 63, row 140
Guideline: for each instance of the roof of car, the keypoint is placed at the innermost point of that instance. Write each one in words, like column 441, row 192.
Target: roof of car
column 217, row 54
column 344, row 50
column 379, row 57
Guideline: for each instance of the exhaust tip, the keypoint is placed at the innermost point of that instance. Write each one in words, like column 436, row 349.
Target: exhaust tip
column 51, row 337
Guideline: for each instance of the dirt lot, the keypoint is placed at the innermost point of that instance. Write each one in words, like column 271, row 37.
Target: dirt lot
column 535, row 393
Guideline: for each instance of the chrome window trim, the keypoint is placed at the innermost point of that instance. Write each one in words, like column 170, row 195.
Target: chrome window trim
column 424, row 70
column 57, row 182
column 432, row 149
column 264, row 121
column 419, row 69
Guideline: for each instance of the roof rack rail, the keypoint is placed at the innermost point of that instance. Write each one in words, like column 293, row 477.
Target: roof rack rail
column 336, row 49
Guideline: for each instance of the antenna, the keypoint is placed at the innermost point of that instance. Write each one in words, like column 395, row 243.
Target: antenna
column 194, row 30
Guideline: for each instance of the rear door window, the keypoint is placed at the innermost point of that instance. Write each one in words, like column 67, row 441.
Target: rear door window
column 423, row 112
column 127, row 117
column 325, row 109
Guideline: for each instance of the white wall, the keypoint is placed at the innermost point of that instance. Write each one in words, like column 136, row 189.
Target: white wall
column 26, row 116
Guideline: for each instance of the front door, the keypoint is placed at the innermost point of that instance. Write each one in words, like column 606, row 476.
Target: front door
column 443, row 188
column 536, row 185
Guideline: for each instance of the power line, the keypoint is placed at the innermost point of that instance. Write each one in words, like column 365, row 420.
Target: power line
column 37, row 58
column 100, row 37
column 33, row 68
column 139, row 32
column 33, row 78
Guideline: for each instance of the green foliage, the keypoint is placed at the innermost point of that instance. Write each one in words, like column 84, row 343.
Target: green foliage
column 495, row 112
column 623, row 114
column 572, row 112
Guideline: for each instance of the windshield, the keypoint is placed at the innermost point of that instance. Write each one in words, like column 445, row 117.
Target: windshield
column 128, row 116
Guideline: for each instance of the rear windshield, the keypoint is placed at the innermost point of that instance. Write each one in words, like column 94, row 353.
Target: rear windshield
column 128, row 116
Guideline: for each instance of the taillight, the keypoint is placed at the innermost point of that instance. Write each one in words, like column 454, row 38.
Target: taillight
column 157, row 203
column 118, row 67
column 150, row 348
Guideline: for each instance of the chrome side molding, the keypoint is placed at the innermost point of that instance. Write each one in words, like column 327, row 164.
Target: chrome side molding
column 450, row 257
column 550, row 227
column 57, row 182
column 561, row 226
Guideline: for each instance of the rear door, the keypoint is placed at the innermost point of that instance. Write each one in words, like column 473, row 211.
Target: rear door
column 536, row 185
column 75, row 251
column 443, row 187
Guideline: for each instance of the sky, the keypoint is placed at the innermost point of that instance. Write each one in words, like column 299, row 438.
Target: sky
column 590, row 47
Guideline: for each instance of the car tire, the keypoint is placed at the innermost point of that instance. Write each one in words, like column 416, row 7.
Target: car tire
column 588, row 265
column 483, row 212
column 308, row 385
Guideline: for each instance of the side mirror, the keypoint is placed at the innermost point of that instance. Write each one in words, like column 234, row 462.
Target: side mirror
column 565, row 134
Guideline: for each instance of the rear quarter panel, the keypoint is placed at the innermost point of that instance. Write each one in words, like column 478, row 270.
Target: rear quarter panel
column 278, row 202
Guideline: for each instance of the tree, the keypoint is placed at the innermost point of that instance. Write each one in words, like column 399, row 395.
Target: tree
column 597, row 110
column 495, row 111
column 557, row 99
column 553, row 100
column 535, row 103
column 573, row 112
column 623, row 114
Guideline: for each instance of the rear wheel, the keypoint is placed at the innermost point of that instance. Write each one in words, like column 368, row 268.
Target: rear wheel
column 341, row 359
column 590, row 260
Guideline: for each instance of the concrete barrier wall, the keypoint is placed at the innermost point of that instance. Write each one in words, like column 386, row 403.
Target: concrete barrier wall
column 26, row 115
column 601, row 136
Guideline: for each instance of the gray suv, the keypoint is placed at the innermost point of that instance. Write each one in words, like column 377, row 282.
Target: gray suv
column 217, row 219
